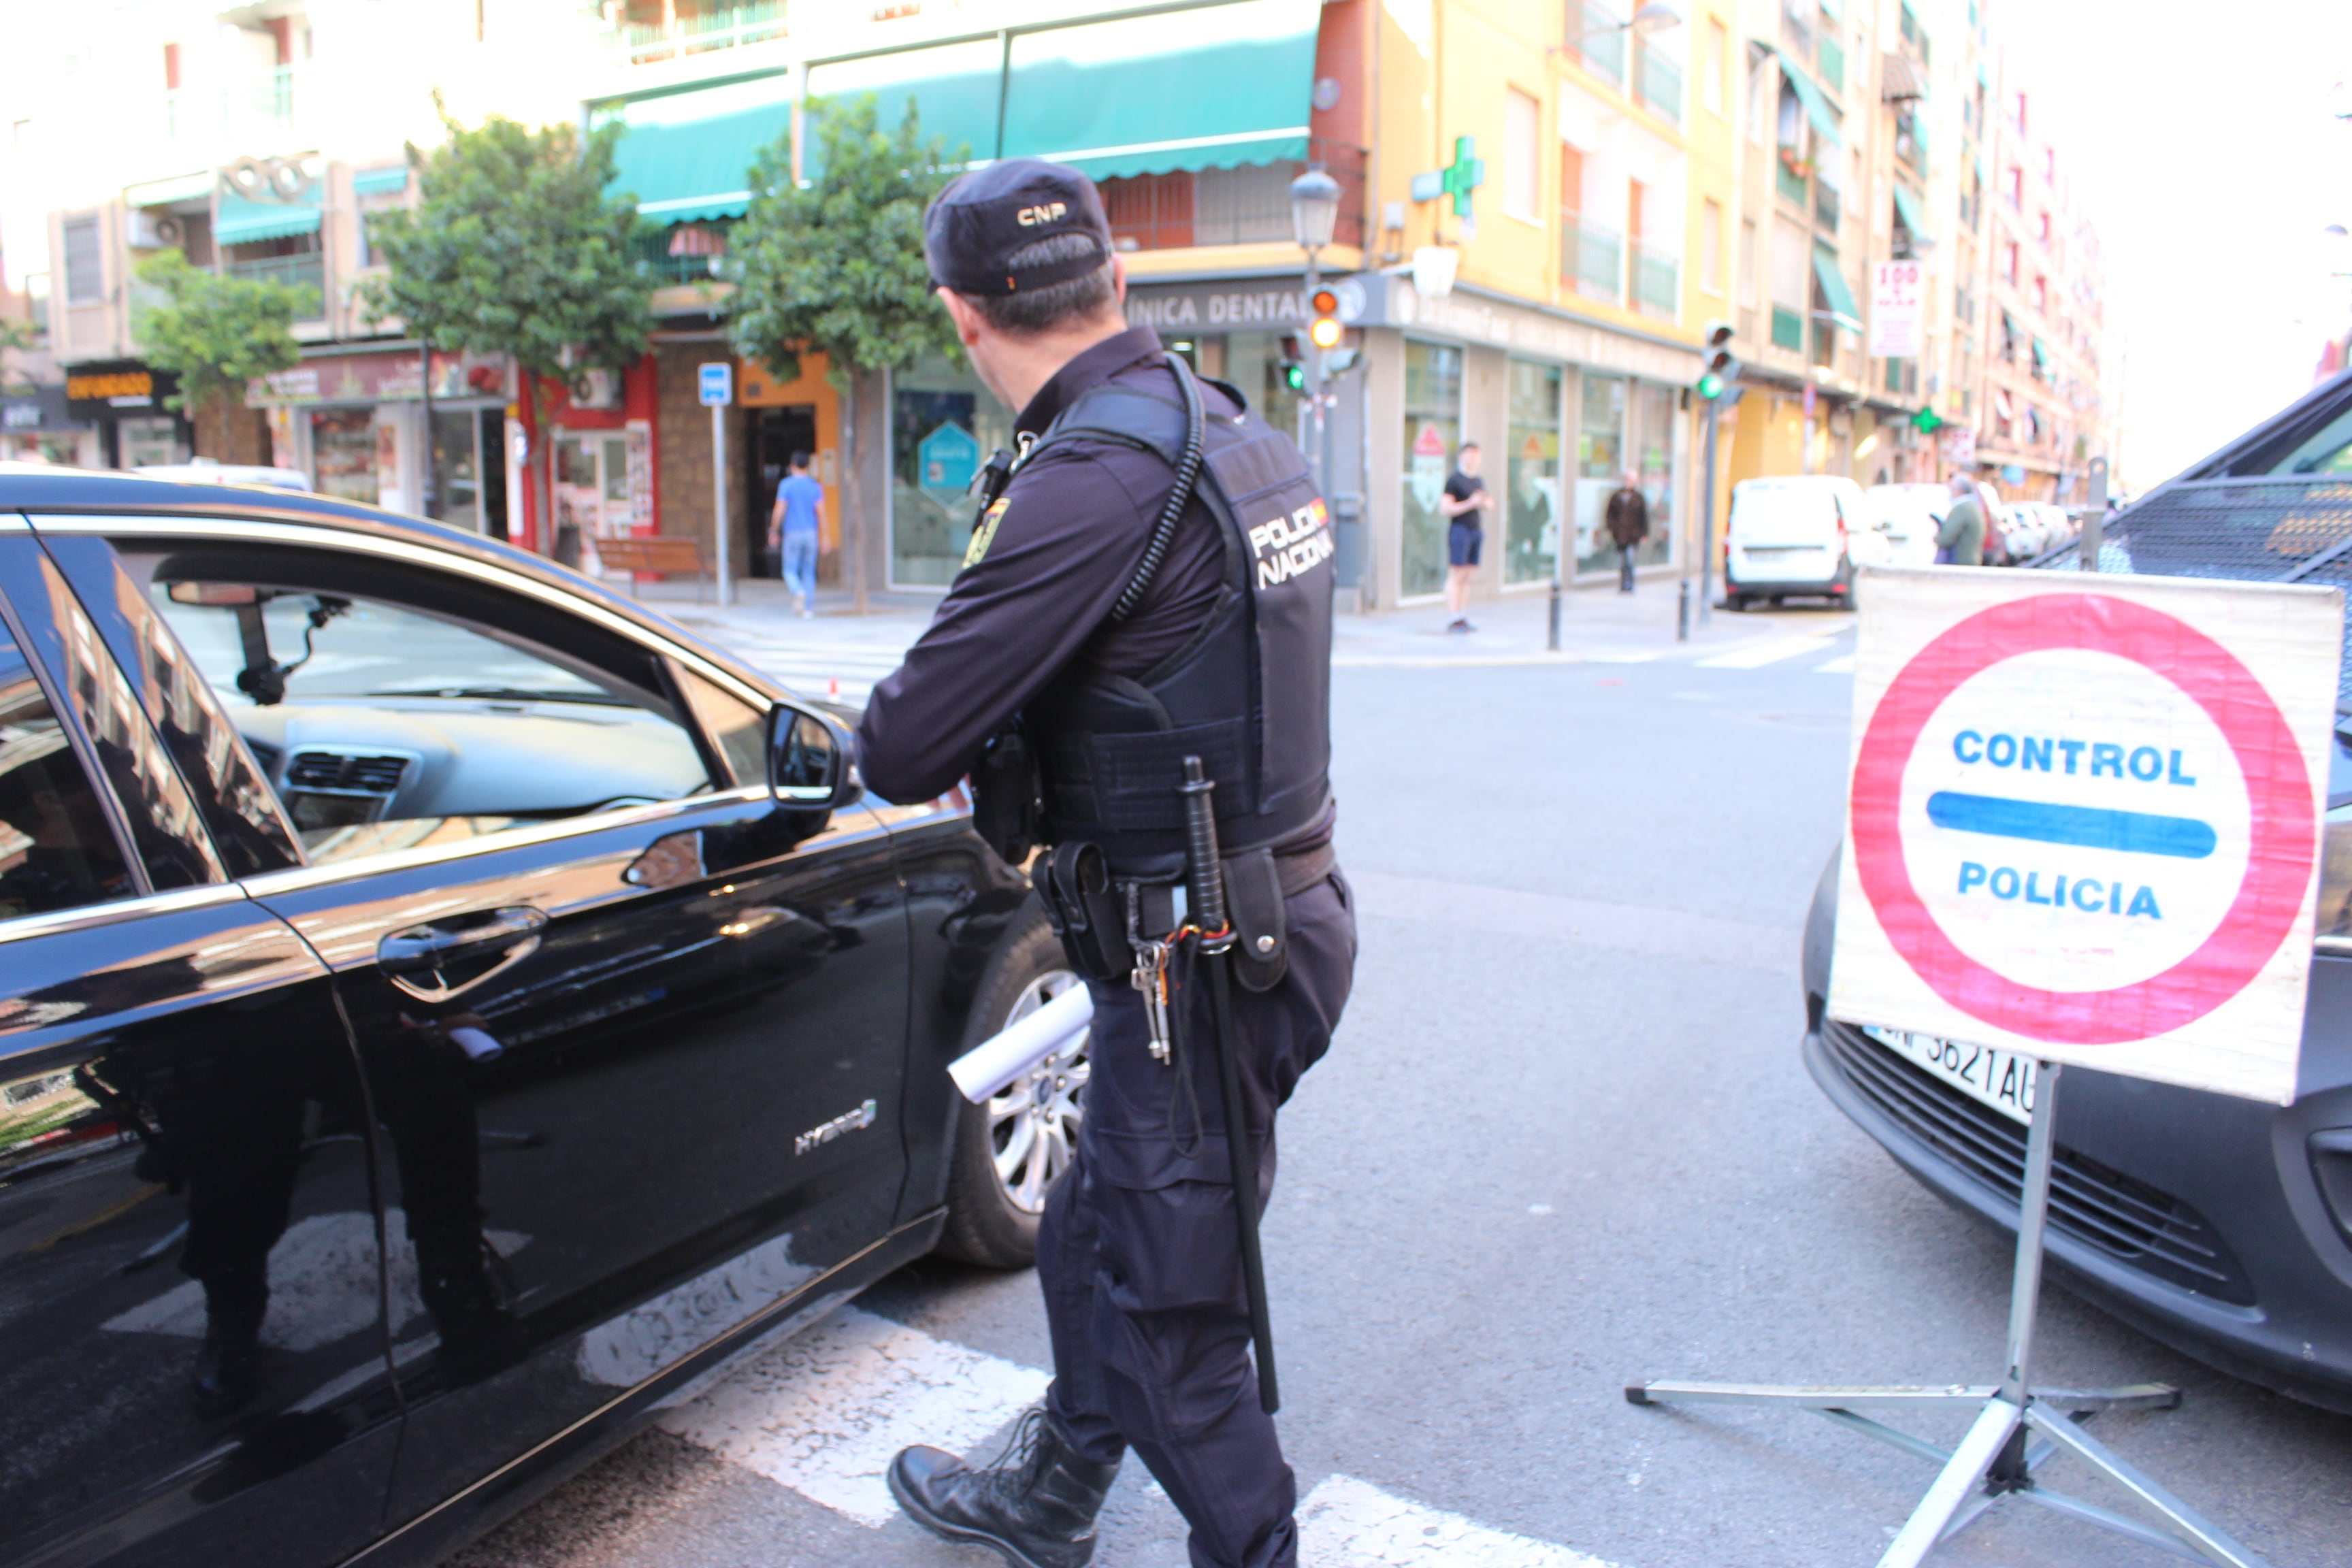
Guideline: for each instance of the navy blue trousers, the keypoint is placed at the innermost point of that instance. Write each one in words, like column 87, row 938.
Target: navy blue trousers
column 1140, row 1258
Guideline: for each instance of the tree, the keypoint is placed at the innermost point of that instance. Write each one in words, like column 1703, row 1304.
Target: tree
column 218, row 334
column 516, row 247
column 15, row 334
column 836, row 266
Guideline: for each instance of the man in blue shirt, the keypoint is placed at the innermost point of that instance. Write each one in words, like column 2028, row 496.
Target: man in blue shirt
column 794, row 527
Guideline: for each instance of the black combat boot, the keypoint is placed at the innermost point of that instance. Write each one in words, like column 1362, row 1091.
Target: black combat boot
column 1036, row 1504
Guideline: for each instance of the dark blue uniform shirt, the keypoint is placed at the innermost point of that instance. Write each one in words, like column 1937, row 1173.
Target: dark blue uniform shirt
column 1039, row 581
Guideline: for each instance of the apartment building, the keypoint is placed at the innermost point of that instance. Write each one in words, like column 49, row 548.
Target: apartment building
column 258, row 141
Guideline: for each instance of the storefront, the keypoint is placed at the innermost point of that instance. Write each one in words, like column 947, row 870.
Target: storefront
column 127, row 404
column 355, row 423
column 38, row 427
column 1563, row 410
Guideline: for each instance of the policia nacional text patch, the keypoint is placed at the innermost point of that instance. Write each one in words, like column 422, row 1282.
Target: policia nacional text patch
column 986, row 534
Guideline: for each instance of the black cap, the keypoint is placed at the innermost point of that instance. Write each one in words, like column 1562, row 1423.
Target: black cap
column 977, row 223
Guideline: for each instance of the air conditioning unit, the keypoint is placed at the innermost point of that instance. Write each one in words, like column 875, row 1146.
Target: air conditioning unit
column 597, row 388
column 151, row 228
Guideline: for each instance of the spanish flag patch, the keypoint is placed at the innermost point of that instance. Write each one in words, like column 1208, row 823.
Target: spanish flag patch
column 986, row 534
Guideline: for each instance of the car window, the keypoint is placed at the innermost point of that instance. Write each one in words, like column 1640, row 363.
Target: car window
column 1784, row 504
column 738, row 730
column 56, row 850
column 420, row 709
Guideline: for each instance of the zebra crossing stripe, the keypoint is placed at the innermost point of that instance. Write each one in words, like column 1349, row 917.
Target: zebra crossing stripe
column 823, row 1413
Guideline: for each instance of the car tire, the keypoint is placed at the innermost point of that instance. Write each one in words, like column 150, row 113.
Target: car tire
column 1735, row 601
column 992, row 1222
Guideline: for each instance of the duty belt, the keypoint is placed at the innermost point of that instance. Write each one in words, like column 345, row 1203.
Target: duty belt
column 1110, row 927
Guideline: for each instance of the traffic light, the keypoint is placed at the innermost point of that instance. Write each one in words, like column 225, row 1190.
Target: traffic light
column 1721, row 370
column 1324, row 329
column 1294, row 363
column 1926, row 422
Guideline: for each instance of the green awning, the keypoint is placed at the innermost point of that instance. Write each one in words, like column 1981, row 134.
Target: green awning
column 689, row 156
column 1906, row 213
column 1842, row 309
column 1831, row 9
column 385, row 182
column 2041, row 356
column 1817, row 108
column 956, row 91
column 243, row 221
column 1213, row 89
column 1983, row 178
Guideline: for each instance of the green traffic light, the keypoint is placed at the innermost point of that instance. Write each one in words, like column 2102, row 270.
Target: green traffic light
column 1710, row 386
column 1295, row 374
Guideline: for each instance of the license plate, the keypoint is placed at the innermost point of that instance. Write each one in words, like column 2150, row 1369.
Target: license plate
column 2002, row 1079
column 1777, row 552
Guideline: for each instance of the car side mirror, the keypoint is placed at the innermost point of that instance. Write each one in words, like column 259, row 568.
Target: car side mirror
column 811, row 760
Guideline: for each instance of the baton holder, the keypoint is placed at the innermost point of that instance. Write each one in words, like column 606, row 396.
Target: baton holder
column 2018, row 1427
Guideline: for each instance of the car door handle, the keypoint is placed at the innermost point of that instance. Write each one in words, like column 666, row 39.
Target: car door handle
column 419, row 948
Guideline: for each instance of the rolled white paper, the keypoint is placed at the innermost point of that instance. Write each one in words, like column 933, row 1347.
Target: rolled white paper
column 996, row 1061
column 476, row 1044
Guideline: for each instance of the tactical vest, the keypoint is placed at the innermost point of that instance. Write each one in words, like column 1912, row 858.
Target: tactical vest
column 1249, row 693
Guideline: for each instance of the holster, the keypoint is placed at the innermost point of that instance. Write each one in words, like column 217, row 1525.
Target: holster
column 1086, row 911
column 1005, row 796
column 1253, row 904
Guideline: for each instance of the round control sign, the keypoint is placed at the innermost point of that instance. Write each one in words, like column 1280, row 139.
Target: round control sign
column 2081, row 822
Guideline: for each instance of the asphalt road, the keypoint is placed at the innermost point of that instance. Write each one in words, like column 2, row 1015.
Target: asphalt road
column 1562, row 1142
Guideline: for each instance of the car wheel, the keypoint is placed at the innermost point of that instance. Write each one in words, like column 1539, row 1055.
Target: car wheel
column 1735, row 601
column 1010, row 1152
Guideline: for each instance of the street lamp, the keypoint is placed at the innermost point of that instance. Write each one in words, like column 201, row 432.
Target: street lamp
column 1654, row 17
column 1313, row 217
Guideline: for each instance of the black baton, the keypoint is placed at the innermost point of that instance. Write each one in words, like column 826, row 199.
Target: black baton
column 1205, row 879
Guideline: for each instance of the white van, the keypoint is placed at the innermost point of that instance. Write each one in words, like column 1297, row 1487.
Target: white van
column 1800, row 535
column 1910, row 516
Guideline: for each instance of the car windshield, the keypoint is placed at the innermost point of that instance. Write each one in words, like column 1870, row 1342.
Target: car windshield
column 2327, row 452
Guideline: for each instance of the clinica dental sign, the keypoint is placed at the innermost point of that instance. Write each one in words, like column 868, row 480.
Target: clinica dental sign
column 2083, row 818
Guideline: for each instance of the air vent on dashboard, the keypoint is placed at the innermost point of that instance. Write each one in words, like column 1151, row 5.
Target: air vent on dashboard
column 344, row 771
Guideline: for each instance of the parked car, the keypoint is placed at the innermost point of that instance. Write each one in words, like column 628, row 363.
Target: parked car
column 444, row 1011
column 2018, row 530
column 204, row 471
column 1799, row 536
column 2221, row 1226
column 1910, row 516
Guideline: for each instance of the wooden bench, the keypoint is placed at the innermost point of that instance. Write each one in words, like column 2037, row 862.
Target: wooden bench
column 661, row 554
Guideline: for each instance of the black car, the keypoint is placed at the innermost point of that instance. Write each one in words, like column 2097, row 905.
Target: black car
column 2219, row 1225
column 443, row 1010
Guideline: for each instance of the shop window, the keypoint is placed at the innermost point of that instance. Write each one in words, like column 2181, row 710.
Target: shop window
column 1531, row 510
column 1600, row 464
column 344, row 453
column 944, row 426
column 1433, row 429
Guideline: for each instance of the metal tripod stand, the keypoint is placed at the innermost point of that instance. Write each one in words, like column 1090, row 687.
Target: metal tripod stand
column 2018, row 1425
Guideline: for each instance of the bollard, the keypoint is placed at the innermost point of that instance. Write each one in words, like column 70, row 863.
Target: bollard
column 1682, row 612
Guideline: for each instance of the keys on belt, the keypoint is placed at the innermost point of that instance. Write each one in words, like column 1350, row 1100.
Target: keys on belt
column 1150, row 978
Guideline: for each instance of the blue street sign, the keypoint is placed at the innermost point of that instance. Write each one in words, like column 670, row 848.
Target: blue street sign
column 947, row 459
column 717, row 384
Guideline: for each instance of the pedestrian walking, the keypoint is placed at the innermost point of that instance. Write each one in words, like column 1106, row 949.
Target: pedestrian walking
column 1152, row 588
column 1628, row 521
column 1961, row 538
column 795, row 526
column 1465, row 497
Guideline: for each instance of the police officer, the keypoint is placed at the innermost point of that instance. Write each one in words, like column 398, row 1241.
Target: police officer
column 1108, row 642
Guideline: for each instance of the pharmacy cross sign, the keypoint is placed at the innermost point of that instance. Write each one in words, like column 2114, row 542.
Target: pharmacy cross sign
column 1457, row 179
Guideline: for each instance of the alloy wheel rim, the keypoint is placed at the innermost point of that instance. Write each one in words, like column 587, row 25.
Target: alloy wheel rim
column 1033, row 1123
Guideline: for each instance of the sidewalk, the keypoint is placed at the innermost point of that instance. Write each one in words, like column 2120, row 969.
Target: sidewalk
column 840, row 654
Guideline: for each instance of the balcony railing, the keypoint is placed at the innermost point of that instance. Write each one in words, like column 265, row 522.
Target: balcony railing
column 1231, row 207
column 306, row 275
column 692, row 29
column 1826, row 207
column 1657, row 282
column 1659, row 81
column 1598, row 34
column 689, row 252
column 1789, row 183
column 1592, row 258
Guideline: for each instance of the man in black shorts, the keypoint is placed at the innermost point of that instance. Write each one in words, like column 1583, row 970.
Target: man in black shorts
column 1465, row 495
